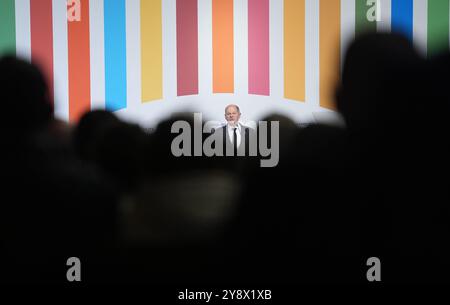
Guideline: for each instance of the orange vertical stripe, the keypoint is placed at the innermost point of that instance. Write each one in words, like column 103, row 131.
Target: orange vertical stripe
column 41, row 26
column 294, row 49
column 330, row 46
column 79, row 65
column 223, row 48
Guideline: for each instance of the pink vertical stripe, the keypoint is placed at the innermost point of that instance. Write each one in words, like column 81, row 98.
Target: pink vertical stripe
column 258, row 47
column 187, row 47
column 41, row 23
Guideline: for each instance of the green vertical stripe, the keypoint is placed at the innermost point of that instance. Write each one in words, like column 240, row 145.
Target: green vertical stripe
column 438, row 26
column 362, row 23
column 7, row 26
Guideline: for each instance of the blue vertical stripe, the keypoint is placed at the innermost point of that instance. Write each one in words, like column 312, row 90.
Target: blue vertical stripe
column 115, row 55
column 402, row 17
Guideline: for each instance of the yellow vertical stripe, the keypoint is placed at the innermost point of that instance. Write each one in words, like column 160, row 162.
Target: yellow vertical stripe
column 330, row 50
column 294, row 49
column 151, row 49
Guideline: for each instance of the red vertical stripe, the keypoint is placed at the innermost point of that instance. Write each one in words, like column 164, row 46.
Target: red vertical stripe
column 258, row 47
column 79, row 65
column 187, row 47
column 42, row 38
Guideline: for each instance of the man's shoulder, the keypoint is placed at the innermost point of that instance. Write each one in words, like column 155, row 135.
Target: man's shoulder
column 247, row 128
column 220, row 128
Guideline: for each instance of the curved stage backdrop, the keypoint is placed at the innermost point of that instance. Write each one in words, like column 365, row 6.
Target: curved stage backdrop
column 145, row 59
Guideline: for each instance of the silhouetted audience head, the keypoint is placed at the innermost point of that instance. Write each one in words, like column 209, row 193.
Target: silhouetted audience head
column 120, row 153
column 90, row 129
column 378, row 80
column 163, row 160
column 25, row 96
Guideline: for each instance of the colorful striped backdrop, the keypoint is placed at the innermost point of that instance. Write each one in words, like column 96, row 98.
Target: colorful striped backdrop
column 145, row 58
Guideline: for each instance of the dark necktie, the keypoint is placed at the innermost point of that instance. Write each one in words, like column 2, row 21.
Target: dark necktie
column 234, row 141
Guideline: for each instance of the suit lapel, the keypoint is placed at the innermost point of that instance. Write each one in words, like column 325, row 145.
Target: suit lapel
column 227, row 142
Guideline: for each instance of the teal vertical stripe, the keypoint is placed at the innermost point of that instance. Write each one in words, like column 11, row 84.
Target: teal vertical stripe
column 7, row 26
column 438, row 26
column 115, row 55
column 362, row 23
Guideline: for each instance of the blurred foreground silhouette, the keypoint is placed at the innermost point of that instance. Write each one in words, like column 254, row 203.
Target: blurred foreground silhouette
column 114, row 196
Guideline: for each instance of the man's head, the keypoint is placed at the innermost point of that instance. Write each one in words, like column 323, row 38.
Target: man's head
column 232, row 114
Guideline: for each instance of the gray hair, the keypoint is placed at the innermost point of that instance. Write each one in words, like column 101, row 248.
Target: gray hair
column 233, row 105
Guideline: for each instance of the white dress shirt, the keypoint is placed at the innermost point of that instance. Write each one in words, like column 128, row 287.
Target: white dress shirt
column 238, row 133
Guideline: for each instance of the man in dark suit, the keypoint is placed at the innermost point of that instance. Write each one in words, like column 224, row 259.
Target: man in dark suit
column 238, row 140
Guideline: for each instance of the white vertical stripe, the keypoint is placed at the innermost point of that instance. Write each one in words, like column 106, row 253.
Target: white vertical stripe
column 276, row 50
column 312, row 52
column 385, row 24
column 133, row 38
column 205, row 49
column 60, row 60
column 169, row 49
column 420, row 17
column 23, row 29
column 347, row 26
column 241, row 47
column 97, row 54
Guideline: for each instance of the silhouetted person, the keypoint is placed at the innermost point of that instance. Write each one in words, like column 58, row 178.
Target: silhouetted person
column 57, row 206
column 381, row 97
column 236, row 136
